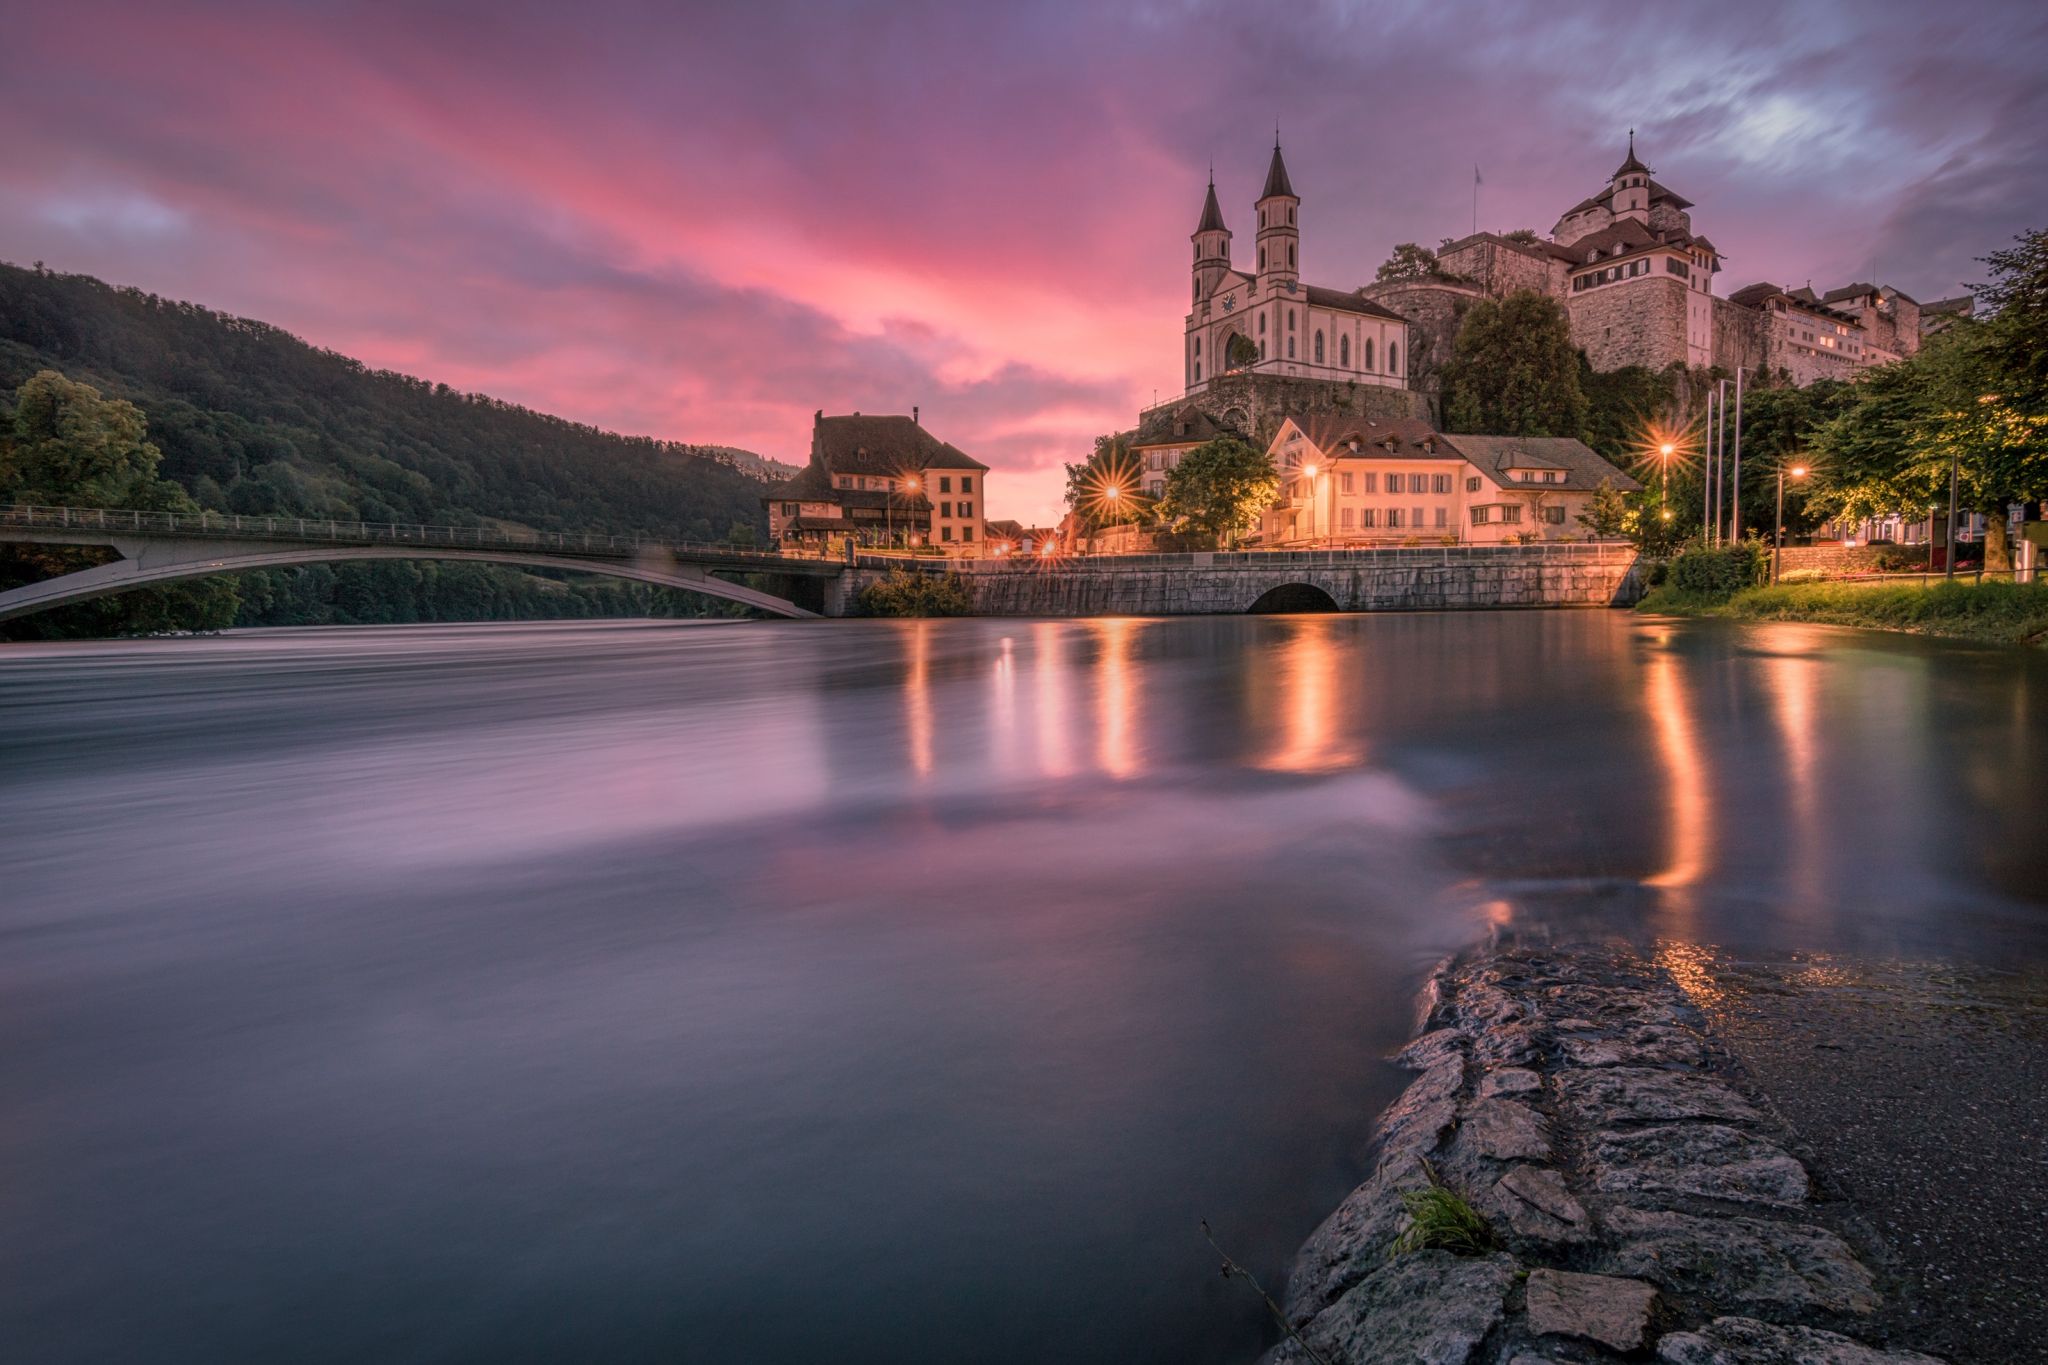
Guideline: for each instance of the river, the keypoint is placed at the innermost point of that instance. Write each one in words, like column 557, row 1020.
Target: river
column 865, row 991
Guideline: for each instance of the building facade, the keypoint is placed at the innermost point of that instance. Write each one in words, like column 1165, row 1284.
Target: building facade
column 1346, row 483
column 881, row 481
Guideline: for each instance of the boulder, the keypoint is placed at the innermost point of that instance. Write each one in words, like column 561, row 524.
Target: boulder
column 1353, row 1241
column 1513, row 1080
column 1709, row 1160
column 1608, row 1097
column 1745, row 1341
column 1787, row 1267
column 1538, row 1205
column 1614, row 1312
column 1430, row 1307
column 1505, row 1130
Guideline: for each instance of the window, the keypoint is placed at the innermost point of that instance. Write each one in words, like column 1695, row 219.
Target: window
column 1512, row 515
column 945, row 533
column 945, row 509
column 1198, row 291
column 1290, row 319
column 1262, row 324
column 1319, row 348
column 1472, row 485
column 1198, row 346
column 1553, row 476
column 1481, row 515
column 1394, row 518
column 1262, row 258
column 1440, row 483
column 1394, row 482
column 1290, row 246
column 1198, row 371
column 1344, row 481
column 1290, row 348
column 1393, row 358
column 1344, row 352
column 1369, row 518
column 1417, row 521
column 945, row 483
column 846, row 481
column 1346, row 518
column 1155, row 488
column 1369, row 482
column 789, row 509
column 1676, row 267
column 1554, row 515
column 1366, row 361
column 967, row 533
column 1290, row 217
column 966, row 483
column 966, row 509
column 1441, row 518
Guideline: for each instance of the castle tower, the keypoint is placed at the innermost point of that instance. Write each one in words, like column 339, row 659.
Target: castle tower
column 1212, row 246
column 1279, row 234
column 1631, row 185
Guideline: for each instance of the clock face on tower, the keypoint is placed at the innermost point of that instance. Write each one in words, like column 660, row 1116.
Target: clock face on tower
column 1229, row 302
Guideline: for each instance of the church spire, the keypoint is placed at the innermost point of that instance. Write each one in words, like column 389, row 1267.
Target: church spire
column 1212, row 212
column 1276, row 174
column 1631, row 166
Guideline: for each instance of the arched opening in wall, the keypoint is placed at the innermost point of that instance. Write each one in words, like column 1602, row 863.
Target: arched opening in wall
column 1238, row 420
column 1240, row 351
column 1291, row 599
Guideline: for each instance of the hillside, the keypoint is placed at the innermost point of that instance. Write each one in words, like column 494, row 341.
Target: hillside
column 251, row 419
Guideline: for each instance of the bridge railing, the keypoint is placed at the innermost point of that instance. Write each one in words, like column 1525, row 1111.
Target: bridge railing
column 237, row 527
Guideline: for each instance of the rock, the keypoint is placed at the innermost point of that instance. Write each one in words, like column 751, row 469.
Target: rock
column 1512, row 1080
column 1705, row 1159
column 1505, row 1130
column 1483, row 1007
column 1745, row 1341
column 1538, row 1205
column 1415, row 1123
column 1431, row 1307
column 1352, row 1242
column 1509, row 1044
column 1613, row 1312
column 1609, row 1096
column 1765, row 1265
column 1430, row 1049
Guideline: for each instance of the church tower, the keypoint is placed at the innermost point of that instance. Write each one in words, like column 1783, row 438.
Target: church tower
column 1630, row 186
column 1279, row 234
column 1212, row 246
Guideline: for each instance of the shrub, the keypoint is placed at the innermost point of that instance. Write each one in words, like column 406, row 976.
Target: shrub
column 1438, row 1218
column 904, row 592
column 1703, row 572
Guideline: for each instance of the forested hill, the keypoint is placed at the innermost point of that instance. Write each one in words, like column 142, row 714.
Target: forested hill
column 252, row 419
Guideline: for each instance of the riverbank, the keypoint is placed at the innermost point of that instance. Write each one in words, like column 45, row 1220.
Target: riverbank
column 1581, row 1173
column 1991, row 613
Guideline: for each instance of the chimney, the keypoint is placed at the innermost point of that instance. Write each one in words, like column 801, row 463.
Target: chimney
column 913, row 415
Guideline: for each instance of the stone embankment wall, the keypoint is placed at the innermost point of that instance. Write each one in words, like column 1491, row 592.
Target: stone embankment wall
column 1842, row 558
column 1448, row 578
column 1255, row 404
column 1640, row 1205
column 1631, row 322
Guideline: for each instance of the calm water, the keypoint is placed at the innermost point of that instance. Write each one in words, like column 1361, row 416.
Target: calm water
column 863, row 991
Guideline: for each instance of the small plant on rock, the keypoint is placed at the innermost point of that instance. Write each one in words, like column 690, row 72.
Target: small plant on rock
column 1439, row 1218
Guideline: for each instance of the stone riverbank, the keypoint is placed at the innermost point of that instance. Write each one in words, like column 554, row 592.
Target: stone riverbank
column 1640, row 1205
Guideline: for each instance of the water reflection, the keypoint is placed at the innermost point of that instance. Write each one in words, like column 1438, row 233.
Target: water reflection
column 1299, row 706
column 1115, row 687
column 1685, row 781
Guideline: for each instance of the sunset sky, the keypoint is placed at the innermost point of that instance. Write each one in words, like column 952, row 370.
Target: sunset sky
column 703, row 221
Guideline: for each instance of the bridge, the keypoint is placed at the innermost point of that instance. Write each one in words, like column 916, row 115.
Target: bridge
column 163, row 547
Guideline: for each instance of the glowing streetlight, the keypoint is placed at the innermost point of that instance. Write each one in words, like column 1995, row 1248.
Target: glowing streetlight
column 1310, row 470
column 1798, row 471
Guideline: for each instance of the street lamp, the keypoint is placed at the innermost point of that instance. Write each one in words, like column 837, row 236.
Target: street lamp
column 1778, row 542
column 1311, row 469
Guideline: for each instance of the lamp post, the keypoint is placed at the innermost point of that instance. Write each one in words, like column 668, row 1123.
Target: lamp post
column 1948, row 566
column 1778, row 542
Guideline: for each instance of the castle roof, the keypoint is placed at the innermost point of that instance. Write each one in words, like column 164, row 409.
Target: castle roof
column 1212, row 212
column 1584, row 470
column 1757, row 295
column 881, row 445
column 1175, row 426
column 1659, row 194
column 813, row 483
column 1276, row 177
column 1961, row 305
column 1848, row 291
column 1630, row 166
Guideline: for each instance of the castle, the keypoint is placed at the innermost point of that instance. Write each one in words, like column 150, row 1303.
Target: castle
column 1633, row 277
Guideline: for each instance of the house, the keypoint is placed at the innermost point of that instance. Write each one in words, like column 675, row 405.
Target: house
column 1164, row 435
column 1364, row 482
column 882, row 481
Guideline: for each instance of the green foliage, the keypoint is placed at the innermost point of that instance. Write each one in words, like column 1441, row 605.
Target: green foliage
column 1409, row 261
column 1995, row 612
column 1219, row 489
column 1513, row 370
column 1722, row 572
column 1438, row 1219
column 250, row 419
column 2017, row 295
column 1609, row 514
column 1242, row 353
column 906, row 592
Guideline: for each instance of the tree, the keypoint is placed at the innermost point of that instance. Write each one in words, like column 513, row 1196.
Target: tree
column 2017, row 348
column 1608, row 515
column 1219, row 489
column 1111, row 466
column 1409, row 261
column 1513, row 370
column 66, row 445
column 1242, row 352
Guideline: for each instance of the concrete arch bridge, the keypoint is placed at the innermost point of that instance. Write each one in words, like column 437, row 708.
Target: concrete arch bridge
column 164, row 547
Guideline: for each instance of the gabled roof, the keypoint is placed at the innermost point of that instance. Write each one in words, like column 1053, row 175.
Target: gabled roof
column 1333, row 433
column 1212, row 212
column 1347, row 301
column 1176, row 427
column 1276, row 177
column 1584, row 470
column 809, row 482
column 1004, row 530
column 858, row 444
column 1848, row 291
column 1961, row 305
column 1659, row 194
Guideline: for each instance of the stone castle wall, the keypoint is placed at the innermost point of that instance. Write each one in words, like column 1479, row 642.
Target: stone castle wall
column 1434, row 309
column 1740, row 337
column 1255, row 404
column 1634, row 322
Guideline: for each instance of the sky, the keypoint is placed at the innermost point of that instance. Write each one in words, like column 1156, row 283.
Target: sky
column 702, row 222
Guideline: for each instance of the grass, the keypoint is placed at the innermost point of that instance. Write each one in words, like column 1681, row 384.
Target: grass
column 1994, row 613
column 1439, row 1219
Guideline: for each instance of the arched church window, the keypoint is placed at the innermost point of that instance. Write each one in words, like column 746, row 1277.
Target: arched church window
column 1262, row 258
column 1290, row 217
column 1393, row 358
column 1290, row 258
column 1365, row 361
column 1198, row 345
column 1290, row 319
column 1344, row 352
column 1319, row 348
column 1290, row 348
column 1262, row 324
column 1198, row 291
